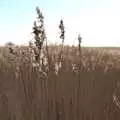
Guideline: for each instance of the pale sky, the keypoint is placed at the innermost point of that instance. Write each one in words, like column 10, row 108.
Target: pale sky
column 98, row 21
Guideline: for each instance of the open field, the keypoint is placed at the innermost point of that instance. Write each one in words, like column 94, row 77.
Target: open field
column 86, row 91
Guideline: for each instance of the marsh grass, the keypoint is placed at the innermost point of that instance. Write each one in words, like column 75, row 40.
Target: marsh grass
column 31, row 95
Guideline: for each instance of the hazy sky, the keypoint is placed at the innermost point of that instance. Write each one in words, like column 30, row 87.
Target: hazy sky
column 98, row 21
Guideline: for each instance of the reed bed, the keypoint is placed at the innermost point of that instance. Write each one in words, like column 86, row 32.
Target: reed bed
column 28, row 94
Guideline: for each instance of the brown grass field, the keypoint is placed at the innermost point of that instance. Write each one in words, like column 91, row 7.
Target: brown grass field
column 86, row 91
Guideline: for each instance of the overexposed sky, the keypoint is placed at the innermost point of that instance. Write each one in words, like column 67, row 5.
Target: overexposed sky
column 98, row 21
